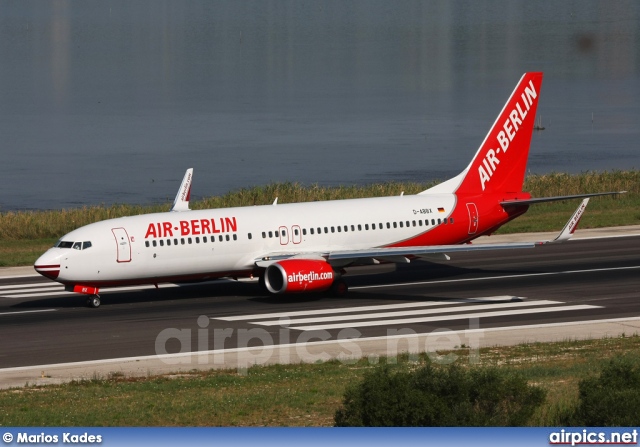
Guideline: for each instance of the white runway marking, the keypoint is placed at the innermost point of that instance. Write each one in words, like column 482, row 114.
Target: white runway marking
column 377, row 315
column 34, row 286
column 488, row 278
column 52, row 289
column 425, row 319
column 489, row 299
column 4, row 314
column 407, row 313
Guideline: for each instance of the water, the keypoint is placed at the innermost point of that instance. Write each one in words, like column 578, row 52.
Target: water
column 104, row 102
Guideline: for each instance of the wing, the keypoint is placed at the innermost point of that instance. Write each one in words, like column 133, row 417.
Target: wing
column 341, row 258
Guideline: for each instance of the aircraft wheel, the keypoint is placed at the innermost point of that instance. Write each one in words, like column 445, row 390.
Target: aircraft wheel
column 93, row 301
column 339, row 288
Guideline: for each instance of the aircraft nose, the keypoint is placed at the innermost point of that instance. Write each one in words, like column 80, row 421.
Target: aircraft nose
column 48, row 265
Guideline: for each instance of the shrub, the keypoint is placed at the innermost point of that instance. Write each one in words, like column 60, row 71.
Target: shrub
column 612, row 399
column 440, row 397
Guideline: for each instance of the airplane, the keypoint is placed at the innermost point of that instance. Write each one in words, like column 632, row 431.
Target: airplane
column 305, row 247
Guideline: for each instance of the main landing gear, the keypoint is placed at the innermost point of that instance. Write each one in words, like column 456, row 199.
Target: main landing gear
column 93, row 301
column 339, row 288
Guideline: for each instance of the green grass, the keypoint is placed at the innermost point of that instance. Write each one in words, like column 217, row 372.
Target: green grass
column 23, row 252
column 602, row 212
column 284, row 395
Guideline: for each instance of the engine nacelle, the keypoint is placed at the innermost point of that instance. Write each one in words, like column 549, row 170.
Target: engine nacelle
column 298, row 275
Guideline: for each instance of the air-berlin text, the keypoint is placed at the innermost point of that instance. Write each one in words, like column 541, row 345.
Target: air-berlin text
column 510, row 127
column 192, row 227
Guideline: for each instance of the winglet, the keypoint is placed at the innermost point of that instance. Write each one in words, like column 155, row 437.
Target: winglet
column 572, row 225
column 181, row 202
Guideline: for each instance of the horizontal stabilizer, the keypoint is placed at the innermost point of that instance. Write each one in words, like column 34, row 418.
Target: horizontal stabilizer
column 557, row 198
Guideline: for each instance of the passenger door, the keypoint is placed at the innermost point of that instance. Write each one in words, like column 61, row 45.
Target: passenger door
column 123, row 244
column 473, row 218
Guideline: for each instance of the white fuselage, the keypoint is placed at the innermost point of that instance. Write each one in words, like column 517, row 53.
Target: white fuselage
column 227, row 242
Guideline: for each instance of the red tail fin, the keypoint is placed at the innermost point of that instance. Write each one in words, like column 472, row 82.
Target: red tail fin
column 499, row 165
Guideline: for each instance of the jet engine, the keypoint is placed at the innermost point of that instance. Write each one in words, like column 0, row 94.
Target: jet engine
column 299, row 275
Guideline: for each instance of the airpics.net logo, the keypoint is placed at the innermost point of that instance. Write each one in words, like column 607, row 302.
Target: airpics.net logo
column 242, row 348
column 592, row 437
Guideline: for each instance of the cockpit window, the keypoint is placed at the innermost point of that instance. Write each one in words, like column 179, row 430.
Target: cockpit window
column 74, row 245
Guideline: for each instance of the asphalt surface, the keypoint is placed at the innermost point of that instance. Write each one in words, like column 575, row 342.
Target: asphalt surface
column 552, row 286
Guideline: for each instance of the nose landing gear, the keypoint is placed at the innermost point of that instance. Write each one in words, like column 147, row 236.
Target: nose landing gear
column 93, row 301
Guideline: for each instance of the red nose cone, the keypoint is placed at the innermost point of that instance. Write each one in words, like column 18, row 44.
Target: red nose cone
column 50, row 271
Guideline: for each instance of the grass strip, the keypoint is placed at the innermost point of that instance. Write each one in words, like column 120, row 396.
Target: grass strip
column 285, row 395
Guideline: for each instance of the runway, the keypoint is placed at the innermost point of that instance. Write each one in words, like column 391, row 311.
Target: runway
column 554, row 286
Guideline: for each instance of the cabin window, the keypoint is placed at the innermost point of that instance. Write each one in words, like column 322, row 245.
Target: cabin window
column 433, row 221
column 189, row 240
column 146, row 243
column 168, row 242
column 414, row 223
column 220, row 238
column 304, row 231
column 270, row 234
column 296, row 232
column 155, row 244
column 388, row 225
column 353, row 228
column 227, row 237
column 235, row 237
column 175, row 242
column 401, row 224
column 311, row 230
column 419, row 223
column 86, row 245
column 439, row 221
column 339, row 229
column 451, row 220
column 408, row 224
column 249, row 236
column 395, row 225
column 333, row 230
column 359, row 227
column 380, row 226
column 444, row 221
column 326, row 230
column 346, row 228
column 197, row 240
column 182, row 241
